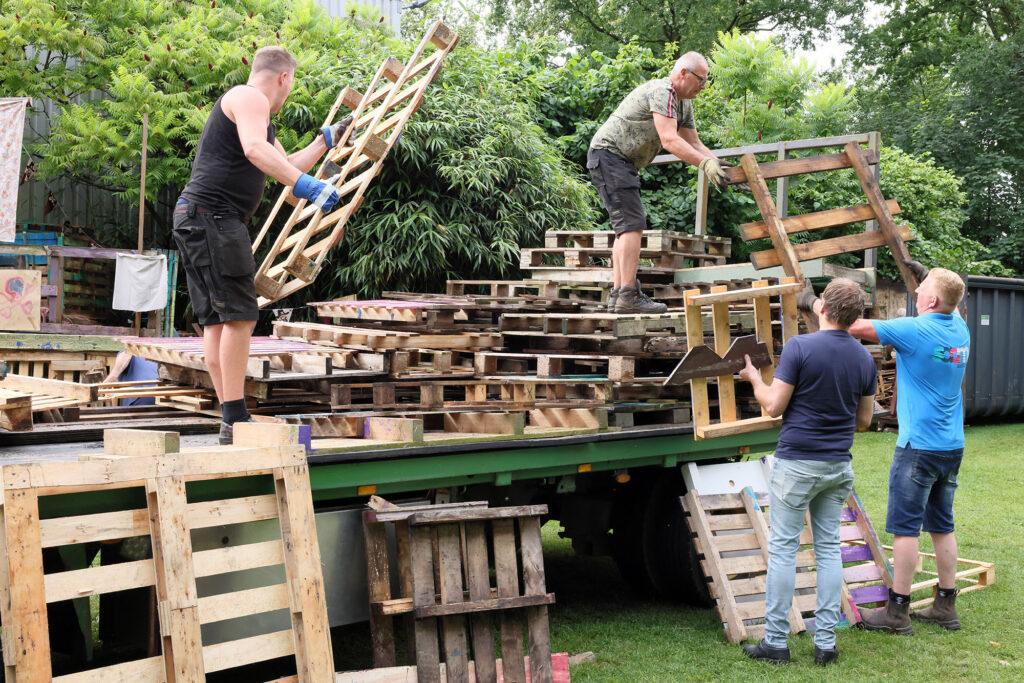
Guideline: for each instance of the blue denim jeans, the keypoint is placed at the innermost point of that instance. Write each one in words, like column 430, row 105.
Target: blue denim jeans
column 921, row 488
column 795, row 487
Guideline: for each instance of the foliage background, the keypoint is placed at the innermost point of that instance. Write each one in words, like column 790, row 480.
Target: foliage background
column 494, row 157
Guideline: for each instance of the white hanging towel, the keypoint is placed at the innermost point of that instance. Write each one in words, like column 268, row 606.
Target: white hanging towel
column 12, row 129
column 140, row 283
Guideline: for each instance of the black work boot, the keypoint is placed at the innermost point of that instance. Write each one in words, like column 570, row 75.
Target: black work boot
column 893, row 618
column 825, row 657
column 613, row 296
column 632, row 300
column 941, row 612
column 763, row 652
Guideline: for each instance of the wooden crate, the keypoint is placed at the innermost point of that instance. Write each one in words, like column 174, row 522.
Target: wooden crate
column 166, row 519
column 437, row 547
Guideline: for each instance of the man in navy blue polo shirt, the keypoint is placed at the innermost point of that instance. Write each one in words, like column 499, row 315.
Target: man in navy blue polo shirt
column 933, row 349
column 824, row 387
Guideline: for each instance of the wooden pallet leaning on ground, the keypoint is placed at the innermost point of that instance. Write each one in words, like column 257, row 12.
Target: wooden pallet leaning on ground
column 379, row 117
column 166, row 519
column 789, row 255
column 438, row 546
column 974, row 576
column 730, row 531
column 719, row 299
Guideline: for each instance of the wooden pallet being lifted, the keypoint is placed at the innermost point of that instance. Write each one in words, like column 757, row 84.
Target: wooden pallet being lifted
column 379, row 116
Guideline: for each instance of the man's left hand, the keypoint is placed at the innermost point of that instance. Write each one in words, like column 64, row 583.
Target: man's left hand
column 749, row 372
column 333, row 133
column 725, row 169
column 919, row 270
column 713, row 170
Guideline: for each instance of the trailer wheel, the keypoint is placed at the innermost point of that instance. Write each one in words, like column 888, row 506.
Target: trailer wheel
column 652, row 543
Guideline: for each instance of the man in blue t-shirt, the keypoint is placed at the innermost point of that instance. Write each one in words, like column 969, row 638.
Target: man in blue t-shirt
column 933, row 349
column 824, row 387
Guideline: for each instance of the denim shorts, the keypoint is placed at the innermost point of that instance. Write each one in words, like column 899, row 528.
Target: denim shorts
column 921, row 488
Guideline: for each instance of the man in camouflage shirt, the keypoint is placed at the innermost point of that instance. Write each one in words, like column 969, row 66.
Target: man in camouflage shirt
column 657, row 114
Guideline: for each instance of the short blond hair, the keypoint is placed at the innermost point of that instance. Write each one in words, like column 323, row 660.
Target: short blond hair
column 948, row 286
column 273, row 58
column 844, row 301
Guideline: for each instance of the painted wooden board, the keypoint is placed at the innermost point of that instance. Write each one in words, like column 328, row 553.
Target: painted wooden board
column 20, row 294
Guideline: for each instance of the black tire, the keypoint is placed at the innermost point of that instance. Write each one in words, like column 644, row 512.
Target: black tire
column 652, row 543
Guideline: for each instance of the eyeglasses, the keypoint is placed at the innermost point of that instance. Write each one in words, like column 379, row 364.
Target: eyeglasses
column 702, row 81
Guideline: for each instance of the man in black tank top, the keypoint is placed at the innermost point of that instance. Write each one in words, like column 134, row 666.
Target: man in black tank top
column 236, row 153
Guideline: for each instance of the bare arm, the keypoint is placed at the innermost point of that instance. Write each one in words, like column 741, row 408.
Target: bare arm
column 671, row 141
column 307, row 156
column 863, row 329
column 120, row 365
column 689, row 135
column 250, row 111
column 865, row 409
column 774, row 397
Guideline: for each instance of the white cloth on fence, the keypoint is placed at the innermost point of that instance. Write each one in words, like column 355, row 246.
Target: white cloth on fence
column 140, row 283
column 12, row 129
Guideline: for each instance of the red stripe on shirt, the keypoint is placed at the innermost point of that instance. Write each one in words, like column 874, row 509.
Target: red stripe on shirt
column 671, row 100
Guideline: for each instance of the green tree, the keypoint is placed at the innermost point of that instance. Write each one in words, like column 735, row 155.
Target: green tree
column 947, row 79
column 606, row 25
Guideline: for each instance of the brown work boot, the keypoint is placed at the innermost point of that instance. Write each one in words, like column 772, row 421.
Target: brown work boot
column 941, row 612
column 892, row 618
column 632, row 300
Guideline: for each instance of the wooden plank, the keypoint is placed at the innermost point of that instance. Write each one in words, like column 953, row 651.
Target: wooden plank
column 506, row 571
column 484, row 605
column 314, row 658
column 479, row 585
column 237, row 558
column 886, row 224
column 485, row 423
column 243, row 603
column 870, row 537
column 534, row 584
column 799, row 166
column 698, row 522
column 726, row 384
column 763, row 329
column 476, row 514
column 829, row 247
column 752, row 424
column 82, row 583
column 449, row 556
column 139, row 442
column 395, row 429
column 427, row 654
column 698, row 385
column 378, row 579
column 783, row 247
column 790, row 314
column 235, row 653
column 818, row 220
column 26, row 642
column 176, row 595
column 86, row 393
column 723, row 294
column 149, row 669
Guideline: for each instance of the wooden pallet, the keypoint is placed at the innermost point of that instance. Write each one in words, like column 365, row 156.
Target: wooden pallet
column 62, row 365
column 719, row 300
column 432, row 542
column 592, row 325
column 377, row 340
column 789, row 255
column 494, row 392
column 379, row 116
column 579, row 257
column 731, row 533
column 167, row 518
column 655, row 240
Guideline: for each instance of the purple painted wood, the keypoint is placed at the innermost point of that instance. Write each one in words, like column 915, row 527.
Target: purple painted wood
column 850, row 532
column 863, row 596
column 862, row 572
column 848, row 515
column 855, row 553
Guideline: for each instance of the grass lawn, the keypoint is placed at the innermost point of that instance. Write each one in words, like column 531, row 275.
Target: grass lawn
column 644, row 640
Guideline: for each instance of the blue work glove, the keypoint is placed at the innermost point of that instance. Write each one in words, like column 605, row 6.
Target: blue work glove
column 323, row 195
column 332, row 133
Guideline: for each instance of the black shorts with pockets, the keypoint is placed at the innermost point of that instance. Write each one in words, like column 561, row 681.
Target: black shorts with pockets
column 618, row 183
column 217, row 254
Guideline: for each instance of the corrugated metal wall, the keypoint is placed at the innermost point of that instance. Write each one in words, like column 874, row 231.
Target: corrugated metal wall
column 77, row 203
column 994, row 385
column 391, row 10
